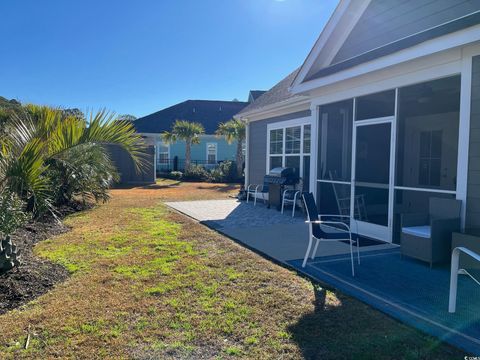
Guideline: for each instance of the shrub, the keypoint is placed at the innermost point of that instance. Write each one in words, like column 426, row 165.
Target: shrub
column 12, row 216
column 196, row 173
column 225, row 172
column 176, row 175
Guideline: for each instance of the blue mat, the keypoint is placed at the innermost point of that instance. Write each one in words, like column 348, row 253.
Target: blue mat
column 407, row 290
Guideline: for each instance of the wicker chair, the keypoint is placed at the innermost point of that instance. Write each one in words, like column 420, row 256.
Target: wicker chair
column 428, row 237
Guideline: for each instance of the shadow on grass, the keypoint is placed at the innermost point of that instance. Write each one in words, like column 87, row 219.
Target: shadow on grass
column 343, row 328
column 220, row 187
column 146, row 187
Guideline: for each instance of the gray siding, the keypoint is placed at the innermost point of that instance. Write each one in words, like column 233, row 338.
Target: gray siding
column 125, row 166
column 257, row 145
column 473, row 189
column 385, row 21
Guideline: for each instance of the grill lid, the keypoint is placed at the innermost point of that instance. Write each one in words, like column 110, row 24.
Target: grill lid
column 282, row 172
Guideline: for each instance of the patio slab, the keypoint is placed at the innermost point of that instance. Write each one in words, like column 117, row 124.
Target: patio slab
column 267, row 230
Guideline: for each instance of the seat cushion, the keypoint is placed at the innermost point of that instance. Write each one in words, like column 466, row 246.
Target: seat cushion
column 420, row 231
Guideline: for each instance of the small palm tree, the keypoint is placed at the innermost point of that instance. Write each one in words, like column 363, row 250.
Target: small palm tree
column 188, row 131
column 234, row 130
column 41, row 141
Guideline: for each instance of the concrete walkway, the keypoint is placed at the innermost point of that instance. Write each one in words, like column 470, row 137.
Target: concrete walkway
column 267, row 230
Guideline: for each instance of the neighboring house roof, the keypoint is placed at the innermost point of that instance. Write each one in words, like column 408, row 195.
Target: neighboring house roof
column 280, row 92
column 207, row 112
column 364, row 30
column 255, row 94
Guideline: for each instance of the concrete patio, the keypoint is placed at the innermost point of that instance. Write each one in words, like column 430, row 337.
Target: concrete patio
column 406, row 289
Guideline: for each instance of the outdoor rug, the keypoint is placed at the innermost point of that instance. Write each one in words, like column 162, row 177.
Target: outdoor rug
column 407, row 290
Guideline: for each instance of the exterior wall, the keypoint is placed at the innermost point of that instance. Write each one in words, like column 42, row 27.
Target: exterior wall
column 257, row 145
column 125, row 166
column 225, row 151
column 387, row 21
column 473, row 187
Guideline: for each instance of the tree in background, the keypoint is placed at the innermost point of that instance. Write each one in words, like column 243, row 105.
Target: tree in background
column 127, row 117
column 189, row 132
column 234, row 130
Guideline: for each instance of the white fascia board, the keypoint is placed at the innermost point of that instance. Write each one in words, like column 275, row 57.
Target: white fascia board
column 322, row 40
column 424, row 69
column 442, row 43
column 278, row 109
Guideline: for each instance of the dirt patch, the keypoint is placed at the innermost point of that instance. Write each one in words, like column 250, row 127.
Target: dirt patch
column 34, row 276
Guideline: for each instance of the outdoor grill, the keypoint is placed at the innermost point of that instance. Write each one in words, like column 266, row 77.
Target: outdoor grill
column 277, row 179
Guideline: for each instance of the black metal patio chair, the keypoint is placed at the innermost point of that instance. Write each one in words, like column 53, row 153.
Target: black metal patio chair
column 327, row 230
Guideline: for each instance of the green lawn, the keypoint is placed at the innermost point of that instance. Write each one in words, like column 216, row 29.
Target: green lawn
column 150, row 283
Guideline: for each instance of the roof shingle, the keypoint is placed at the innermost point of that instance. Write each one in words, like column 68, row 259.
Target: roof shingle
column 207, row 112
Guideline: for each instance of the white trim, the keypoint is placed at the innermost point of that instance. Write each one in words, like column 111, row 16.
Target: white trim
column 334, row 182
column 291, row 105
column 283, row 125
column 429, row 47
column 216, row 152
column 464, row 131
column 159, row 143
column 247, row 155
column 439, row 191
column 366, row 228
column 418, row 71
column 334, row 34
column 313, row 149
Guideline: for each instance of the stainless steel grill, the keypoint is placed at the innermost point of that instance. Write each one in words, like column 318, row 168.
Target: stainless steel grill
column 277, row 179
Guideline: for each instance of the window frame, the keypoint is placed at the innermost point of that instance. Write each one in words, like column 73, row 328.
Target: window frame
column 207, row 153
column 283, row 125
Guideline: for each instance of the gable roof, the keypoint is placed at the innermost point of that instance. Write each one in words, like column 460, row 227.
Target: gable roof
column 278, row 93
column 207, row 112
column 363, row 30
column 255, row 94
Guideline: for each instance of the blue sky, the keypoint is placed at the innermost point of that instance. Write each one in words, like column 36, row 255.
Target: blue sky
column 140, row 56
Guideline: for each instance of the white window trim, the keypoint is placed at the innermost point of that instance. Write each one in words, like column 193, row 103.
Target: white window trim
column 216, row 152
column 158, row 144
column 287, row 124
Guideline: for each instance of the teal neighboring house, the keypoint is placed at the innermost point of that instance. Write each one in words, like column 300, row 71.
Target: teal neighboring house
column 210, row 113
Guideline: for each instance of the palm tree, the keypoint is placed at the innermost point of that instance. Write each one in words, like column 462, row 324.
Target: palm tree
column 188, row 131
column 234, row 130
column 43, row 145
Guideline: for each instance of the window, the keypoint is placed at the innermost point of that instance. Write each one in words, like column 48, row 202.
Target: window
column 211, row 153
column 292, row 140
column 307, row 137
column 276, row 141
column 162, row 154
column 288, row 146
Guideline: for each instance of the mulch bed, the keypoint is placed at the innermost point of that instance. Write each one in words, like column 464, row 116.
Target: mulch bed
column 34, row 276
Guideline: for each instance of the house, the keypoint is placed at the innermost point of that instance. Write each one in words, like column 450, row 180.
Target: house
column 211, row 149
column 383, row 114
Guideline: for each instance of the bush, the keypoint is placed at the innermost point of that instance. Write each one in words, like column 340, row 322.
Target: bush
column 12, row 216
column 196, row 173
column 225, row 172
column 176, row 175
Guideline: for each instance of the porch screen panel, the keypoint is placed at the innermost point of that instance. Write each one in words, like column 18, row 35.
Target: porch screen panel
column 376, row 105
column 427, row 142
column 335, row 157
column 335, row 141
